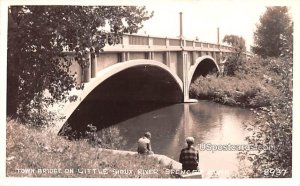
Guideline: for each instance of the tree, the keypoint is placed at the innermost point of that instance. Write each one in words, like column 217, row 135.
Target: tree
column 272, row 126
column 275, row 24
column 238, row 43
column 235, row 41
column 37, row 36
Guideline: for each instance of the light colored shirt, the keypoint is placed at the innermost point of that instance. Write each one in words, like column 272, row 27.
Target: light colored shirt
column 143, row 145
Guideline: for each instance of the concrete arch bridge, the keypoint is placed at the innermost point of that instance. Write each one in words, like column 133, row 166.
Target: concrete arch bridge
column 143, row 68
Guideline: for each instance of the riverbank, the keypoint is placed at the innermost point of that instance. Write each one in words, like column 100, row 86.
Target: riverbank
column 39, row 153
column 233, row 91
column 265, row 84
column 250, row 87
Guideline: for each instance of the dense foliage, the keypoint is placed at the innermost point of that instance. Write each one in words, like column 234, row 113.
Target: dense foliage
column 275, row 24
column 249, row 87
column 273, row 127
column 234, row 59
column 265, row 83
column 37, row 37
column 237, row 42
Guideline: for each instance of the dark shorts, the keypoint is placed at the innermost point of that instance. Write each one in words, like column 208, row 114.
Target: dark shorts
column 189, row 167
column 145, row 152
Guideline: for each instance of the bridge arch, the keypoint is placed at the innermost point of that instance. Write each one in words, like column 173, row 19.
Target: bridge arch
column 112, row 71
column 202, row 66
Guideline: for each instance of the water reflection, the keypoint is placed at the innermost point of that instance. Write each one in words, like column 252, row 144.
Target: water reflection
column 207, row 122
column 219, row 125
column 170, row 124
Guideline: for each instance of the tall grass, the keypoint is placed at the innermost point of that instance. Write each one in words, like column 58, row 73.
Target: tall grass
column 38, row 148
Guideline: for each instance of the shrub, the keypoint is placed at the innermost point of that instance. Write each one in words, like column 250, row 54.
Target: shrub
column 273, row 126
column 108, row 138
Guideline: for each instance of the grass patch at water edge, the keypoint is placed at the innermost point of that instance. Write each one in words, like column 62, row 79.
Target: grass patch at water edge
column 38, row 152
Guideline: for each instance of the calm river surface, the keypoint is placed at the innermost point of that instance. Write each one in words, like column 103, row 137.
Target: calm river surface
column 208, row 122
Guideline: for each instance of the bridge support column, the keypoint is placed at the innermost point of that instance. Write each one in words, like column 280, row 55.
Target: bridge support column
column 182, row 70
column 194, row 57
column 214, row 55
column 86, row 71
column 93, row 64
column 151, row 55
column 219, row 58
column 186, row 88
column 202, row 53
column 125, row 56
column 167, row 58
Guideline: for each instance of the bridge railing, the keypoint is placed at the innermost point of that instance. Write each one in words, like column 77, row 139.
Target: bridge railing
column 135, row 42
column 146, row 47
column 148, row 43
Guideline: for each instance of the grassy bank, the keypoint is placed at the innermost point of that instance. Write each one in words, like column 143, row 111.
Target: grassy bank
column 251, row 86
column 40, row 153
column 246, row 92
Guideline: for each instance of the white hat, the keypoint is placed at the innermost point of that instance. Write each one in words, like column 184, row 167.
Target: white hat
column 190, row 140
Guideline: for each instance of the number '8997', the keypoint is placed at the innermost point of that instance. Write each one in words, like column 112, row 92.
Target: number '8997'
column 275, row 172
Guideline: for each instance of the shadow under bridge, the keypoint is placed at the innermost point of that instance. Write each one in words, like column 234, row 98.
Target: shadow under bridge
column 128, row 93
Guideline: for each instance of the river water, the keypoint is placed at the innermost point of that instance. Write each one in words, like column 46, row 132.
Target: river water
column 208, row 122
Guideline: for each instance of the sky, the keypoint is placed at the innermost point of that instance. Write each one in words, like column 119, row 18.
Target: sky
column 202, row 18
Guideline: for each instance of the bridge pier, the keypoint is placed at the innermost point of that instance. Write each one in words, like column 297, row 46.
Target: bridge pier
column 214, row 55
column 86, row 72
column 125, row 56
column 167, row 58
column 93, row 65
column 182, row 70
column 194, row 57
column 151, row 55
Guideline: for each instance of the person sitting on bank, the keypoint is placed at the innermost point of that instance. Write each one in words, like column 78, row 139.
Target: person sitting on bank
column 189, row 156
column 144, row 144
